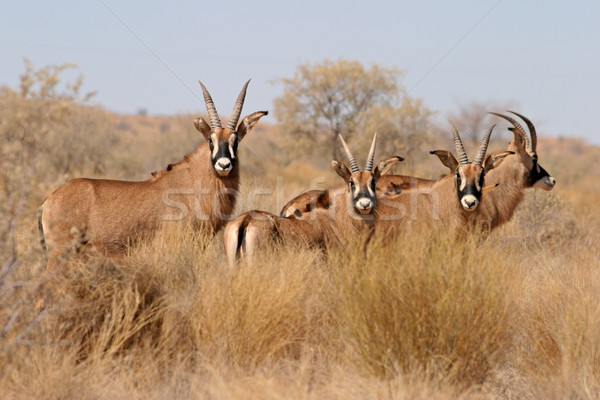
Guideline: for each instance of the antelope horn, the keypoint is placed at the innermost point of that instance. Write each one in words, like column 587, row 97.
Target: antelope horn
column 532, row 132
column 237, row 108
column 353, row 165
column 458, row 145
column 215, row 121
column 483, row 148
column 519, row 129
column 369, row 166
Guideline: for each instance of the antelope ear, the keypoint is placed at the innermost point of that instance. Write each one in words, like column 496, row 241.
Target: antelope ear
column 249, row 122
column 203, row 127
column 495, row 159
column 446, row 158
column 519, row 140
column 385, row 166
column 341, row 169
column 486, row 189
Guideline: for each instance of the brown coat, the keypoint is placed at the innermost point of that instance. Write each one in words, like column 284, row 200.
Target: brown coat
column 108, row 215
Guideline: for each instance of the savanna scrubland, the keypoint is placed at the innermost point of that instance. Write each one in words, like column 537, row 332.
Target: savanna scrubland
column 515, row 315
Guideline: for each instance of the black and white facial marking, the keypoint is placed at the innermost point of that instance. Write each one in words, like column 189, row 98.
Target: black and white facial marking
column 524, row 145
column 538, row 177
column 362, row 191
column 361, row 185
column 469, row 183
column 223, row 151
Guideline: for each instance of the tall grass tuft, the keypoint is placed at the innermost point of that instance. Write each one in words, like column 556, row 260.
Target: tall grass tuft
column 557, row 344
column 432, row 304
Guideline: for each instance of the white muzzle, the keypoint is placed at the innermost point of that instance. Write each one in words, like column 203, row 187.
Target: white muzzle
column 223, row 166
column 469, row 202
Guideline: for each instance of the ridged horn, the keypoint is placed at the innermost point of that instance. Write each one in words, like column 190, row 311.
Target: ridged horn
column 237, row 108
column 483, row 148
column 353, row 165
column 215, row 121
column 532, row 132
column 519, row 129
column 369, row 166
column 458, row 145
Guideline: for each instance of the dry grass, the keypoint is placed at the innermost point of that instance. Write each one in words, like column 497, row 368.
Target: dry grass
column 417, row 317
column 428, row 304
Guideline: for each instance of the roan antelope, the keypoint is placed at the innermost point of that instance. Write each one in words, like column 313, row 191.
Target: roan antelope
column 321, row 198
column 450, row 199
column 516, row 173
column 109, row 215
column 348, row 210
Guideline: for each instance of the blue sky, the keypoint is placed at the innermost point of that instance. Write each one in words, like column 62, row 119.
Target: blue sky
column 542, row 55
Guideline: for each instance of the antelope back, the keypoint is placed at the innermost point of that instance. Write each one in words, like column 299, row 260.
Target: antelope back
column 223, row 142
column 306, row 202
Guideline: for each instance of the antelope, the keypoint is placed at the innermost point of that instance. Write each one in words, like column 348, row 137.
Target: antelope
column 450, row 199
column 349, row 211
column 518, row 172
column 320, row 198
column 108, row 215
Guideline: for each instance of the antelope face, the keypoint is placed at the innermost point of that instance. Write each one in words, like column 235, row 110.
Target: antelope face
column 469, row 185
column 535, row 176
column 361, row 185
column 469, row 176
column 223, row 145
column 525, row 146
column 223, row 142
column 538, row 177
